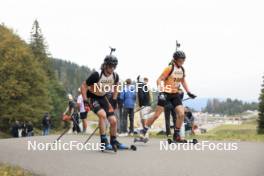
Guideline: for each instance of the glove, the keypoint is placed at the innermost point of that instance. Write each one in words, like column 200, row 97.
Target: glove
column 162, row 96
column 191, row 95
column 114, row 103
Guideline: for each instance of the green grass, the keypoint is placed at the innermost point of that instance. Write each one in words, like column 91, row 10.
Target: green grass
column 247, row 131
column 6, row 170
column 4, row 135
column 92, row 117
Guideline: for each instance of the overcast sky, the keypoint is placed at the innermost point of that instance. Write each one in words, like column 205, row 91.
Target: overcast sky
column 223, row 40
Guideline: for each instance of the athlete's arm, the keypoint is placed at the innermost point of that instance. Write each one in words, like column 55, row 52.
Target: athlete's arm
column 84, row 90
column 186, row 88
column 91, row 80
column 185, row 85
column 115, row 92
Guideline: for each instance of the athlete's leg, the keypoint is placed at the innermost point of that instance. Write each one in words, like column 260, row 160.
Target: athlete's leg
column 179, row 109
column 102, row 117
column 179, row 121
column 180, row 115
column 113, row 125
column 155, row 116
column 113, row 130
column 142, row 118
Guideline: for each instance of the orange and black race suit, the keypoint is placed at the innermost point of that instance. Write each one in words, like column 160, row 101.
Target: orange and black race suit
column 171, row 86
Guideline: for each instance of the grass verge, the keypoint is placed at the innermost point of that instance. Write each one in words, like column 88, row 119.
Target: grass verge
column 6, row 170
column 247, row 131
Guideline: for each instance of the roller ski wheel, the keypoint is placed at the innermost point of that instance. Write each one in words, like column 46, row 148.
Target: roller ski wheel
column 141, row 139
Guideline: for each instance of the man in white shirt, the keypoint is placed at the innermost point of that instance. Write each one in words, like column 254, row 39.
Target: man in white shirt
column 83, row 113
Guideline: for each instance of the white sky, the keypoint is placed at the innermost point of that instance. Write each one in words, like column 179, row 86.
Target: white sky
column 223, row 40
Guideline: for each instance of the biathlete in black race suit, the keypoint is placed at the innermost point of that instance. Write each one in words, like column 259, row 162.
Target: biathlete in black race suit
column 100, row 91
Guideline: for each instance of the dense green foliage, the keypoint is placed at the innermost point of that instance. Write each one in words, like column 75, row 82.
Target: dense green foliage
column 261, row 110
column 31, row 81
column 228, row 107
column 24, row 91
column 69, row 74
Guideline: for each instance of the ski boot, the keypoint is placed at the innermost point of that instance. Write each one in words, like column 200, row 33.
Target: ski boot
column 177, row 139
column 105, row 144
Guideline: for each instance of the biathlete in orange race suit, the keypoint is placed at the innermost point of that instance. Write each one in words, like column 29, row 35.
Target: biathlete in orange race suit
column 169, row 85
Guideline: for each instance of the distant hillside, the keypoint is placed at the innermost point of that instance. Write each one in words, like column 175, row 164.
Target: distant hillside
column 198, row 104
column 70, row 74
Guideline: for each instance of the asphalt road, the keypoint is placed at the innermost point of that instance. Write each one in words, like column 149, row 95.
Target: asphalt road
column 247, row 160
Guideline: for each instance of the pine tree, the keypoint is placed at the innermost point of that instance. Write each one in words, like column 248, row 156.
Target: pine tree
column 56, row 91
column 261, row 111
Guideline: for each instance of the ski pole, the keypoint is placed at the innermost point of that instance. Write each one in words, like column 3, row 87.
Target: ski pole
column 91, row 135
column 62, row 134
column 186, row 99
column 65, row 131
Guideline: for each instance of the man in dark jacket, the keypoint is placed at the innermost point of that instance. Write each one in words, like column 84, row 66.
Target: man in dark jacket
column 15, row 128
column 46, row 124
column 30, row 129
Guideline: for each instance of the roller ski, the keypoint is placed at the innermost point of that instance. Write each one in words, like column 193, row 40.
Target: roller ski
column 115, row 145
column 178, row 140
column 119, row 146
column 143, row 137
column 125, row 147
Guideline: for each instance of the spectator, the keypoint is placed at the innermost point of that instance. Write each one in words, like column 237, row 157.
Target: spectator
column 46, row 124
column 189, row 121
column 15, row 128
column 119, row 113
column 128, row 96
column 83, row 113
column 72, row 110
column 30, row 129
column 144, row 99
column 24, row 129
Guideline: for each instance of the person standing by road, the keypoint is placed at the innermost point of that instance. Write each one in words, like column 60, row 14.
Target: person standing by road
column 128, row 96
column 46, row 124
column 82, row 110
column 144, row 99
